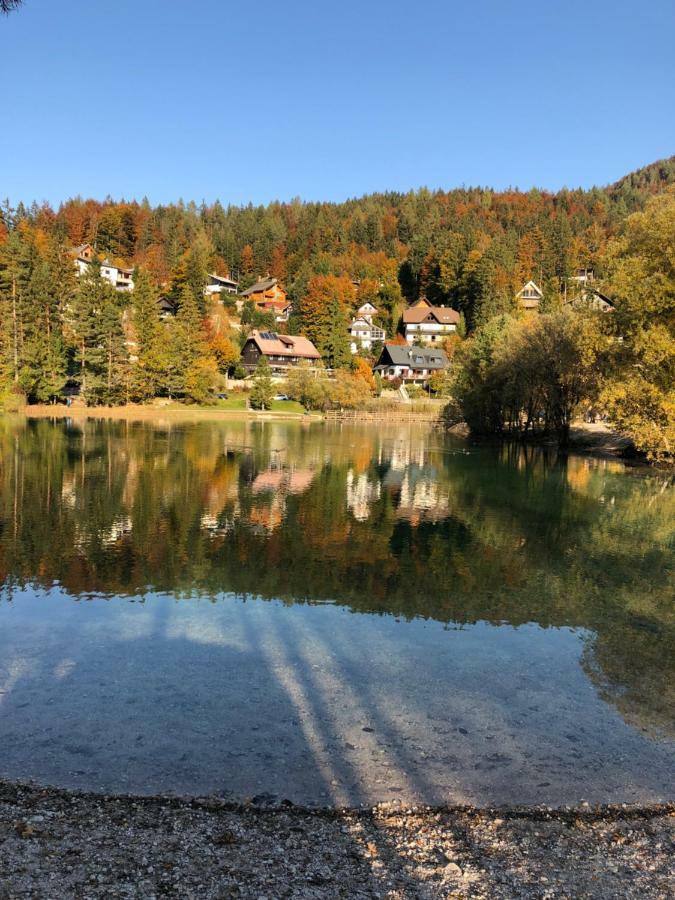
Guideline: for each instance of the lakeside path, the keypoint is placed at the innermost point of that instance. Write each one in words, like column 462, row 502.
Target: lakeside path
column 57, row 844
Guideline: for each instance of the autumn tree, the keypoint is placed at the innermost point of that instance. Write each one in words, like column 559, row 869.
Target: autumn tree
column 640, row 393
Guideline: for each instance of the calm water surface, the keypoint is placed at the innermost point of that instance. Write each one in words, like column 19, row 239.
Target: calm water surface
column 332, row 614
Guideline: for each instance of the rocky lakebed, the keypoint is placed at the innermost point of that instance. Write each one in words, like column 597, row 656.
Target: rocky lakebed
column 64, row 844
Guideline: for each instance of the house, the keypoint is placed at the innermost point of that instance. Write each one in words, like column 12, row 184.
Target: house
column 166, row 307
column 120, row 277
column 219, row 284
column 427, row 324
column 530, row 296
column 83, row 254
column 363, row 334
column 590, row 298
column 366, row 311
column 412, row 364
column 281, row 350
column 281, row 309
column 264, row 290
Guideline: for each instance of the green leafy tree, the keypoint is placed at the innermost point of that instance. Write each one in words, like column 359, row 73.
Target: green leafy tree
column 262, row 391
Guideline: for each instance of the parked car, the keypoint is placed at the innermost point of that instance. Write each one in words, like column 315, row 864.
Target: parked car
column 282, row 397
column 223, row 396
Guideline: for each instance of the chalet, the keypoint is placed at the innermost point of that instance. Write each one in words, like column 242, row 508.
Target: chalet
column 366, row 311
column 281, row 309
column 264, row 290
column 427, row 324
column 219, row 284
column 363, row 334
column 590, row 298
column 166, row 307
column 84, row 254
column 412, row 364
column 530, row 296
column 281, row 350
column 120, row 277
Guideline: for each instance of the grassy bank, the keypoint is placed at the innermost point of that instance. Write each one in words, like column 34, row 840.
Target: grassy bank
column 232, row 407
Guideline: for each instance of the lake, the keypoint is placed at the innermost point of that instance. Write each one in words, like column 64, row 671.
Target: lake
column 332, row 613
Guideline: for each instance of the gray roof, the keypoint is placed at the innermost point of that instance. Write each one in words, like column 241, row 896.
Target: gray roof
column 415, row 357
column 263, row 285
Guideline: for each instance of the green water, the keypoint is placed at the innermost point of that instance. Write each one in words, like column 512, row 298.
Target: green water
column 442, row 554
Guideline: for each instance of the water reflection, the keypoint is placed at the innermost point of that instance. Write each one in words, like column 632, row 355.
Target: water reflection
column 392, row 520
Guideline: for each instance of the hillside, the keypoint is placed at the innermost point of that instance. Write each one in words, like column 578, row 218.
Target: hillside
column 468, row 246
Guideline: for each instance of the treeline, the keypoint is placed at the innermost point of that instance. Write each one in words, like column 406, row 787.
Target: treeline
column 471, row 248
column 521, row 376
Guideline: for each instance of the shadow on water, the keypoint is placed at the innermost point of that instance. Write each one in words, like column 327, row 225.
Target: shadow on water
column 484, row 608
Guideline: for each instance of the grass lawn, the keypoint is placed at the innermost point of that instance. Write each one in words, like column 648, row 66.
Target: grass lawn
column 287, row 406
column 234, row 401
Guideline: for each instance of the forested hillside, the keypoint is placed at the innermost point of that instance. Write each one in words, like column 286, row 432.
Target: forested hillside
column 469, row 247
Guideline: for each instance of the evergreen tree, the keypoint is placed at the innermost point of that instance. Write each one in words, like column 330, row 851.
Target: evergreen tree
column 193, row 369
column 149, row 373
column 100, row 356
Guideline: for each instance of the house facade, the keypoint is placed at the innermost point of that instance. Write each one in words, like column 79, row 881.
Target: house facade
column 281, row 351
column 427, row 324
column 280, row 309
column 264, row 291
column 529, row 297
column 120, row 277
column 410, row 364
column 219, row 284
column 366, row 311
column 363, row 334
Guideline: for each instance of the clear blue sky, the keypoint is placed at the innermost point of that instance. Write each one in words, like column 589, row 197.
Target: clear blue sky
column 255, row 101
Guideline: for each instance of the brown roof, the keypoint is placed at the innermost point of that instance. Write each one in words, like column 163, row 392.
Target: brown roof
column 260, row 286
column 444, row 315
column 272, row 344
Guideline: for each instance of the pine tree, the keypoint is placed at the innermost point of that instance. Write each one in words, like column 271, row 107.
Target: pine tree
column 332, row 341
column 192, row 369
column 149, row 372
column 100, row 354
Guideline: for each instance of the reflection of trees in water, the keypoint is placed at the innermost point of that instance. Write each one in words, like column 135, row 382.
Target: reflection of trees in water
column 390, row 520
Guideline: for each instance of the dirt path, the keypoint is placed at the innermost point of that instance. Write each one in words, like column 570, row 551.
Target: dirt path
column 56, row 844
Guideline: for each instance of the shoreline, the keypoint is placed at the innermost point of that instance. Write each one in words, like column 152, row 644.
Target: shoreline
column 60, row 843
column 140, row 412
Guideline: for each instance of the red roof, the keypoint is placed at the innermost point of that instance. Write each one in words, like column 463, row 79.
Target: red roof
column 271, row 344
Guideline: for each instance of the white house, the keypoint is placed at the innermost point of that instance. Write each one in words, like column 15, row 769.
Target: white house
column 363, row 334
column 120, row 277
column 218, row 284
column 427, row 324
column 366, row 311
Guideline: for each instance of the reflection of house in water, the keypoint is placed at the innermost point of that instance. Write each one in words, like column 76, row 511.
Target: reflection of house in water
column 271, row 488
column 290, row 481
column 106, row 537
column 421, row 497
column 361, row 494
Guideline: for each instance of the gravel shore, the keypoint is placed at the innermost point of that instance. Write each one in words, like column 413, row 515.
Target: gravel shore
column 58, row 844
